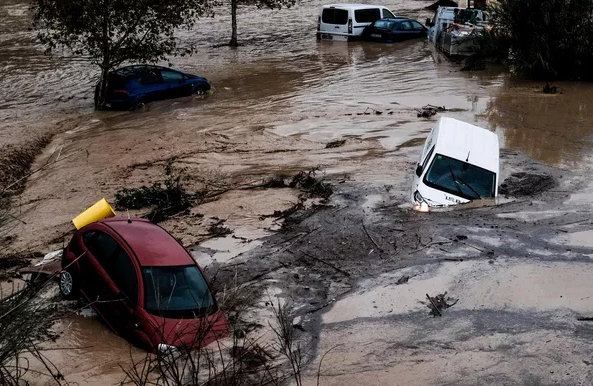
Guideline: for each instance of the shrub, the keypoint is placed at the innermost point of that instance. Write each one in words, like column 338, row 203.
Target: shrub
column 546, row 39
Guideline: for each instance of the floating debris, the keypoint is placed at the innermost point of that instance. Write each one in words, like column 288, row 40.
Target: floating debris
column 429, row 110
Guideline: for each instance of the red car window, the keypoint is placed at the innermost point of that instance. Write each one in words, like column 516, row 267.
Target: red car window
column 123, row 273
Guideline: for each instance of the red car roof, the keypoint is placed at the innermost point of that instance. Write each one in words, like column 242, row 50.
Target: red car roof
column 152, row 244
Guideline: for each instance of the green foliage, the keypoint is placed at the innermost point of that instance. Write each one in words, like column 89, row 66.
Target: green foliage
column 164, row 198
column 546, row 39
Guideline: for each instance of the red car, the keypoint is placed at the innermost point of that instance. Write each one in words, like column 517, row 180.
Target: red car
column 143, row 283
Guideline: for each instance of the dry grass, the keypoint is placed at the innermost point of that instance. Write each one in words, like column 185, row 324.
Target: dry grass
column 15, row 161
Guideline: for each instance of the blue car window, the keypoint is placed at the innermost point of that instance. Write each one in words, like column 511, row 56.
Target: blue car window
column 171, row 76
column 150, row 76
column 405, row 26
column 381, row 24
column 417, row 26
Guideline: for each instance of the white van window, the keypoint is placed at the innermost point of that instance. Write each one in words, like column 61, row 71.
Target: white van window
column 334, row 16
column 460, row 178
column 427, row 158
column 368, row 15
column 387, row 14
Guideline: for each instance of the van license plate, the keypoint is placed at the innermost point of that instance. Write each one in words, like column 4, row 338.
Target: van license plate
column 327, row 36
column 376, row 36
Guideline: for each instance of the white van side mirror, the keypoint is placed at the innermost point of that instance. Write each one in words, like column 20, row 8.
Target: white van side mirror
column 429, row 22
column 419, row 170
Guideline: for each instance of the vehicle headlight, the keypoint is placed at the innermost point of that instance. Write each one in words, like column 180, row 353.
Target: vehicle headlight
column 168, row 349
column 420, row 203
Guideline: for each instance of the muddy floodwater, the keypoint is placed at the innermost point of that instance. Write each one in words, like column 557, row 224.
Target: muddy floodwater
column 277, row 100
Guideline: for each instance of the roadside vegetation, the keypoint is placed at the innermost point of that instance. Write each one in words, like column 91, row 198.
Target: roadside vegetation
column 26, row 317
column 169, row 197
column 543, row 39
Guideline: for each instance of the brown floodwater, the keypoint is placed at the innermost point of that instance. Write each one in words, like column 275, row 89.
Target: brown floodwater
column 280, row 89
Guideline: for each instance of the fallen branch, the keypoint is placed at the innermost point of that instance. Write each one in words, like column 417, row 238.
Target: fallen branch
column 326, row 263
column 369, row 236
column 434, row 306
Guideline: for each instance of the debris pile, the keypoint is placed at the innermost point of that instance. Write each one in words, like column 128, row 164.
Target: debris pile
column 430, row 110
column 333, row 144
column 527, row 184
column 549, row 89
column 439, row 303
column 308, row 183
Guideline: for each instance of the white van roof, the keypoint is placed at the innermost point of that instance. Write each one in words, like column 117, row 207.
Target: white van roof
column 459, row 139
column 353, row 6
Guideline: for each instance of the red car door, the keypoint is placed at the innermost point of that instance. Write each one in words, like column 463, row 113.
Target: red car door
column 97, row 285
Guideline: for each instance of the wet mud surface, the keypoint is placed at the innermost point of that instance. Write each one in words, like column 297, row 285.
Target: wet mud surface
column 283, row 103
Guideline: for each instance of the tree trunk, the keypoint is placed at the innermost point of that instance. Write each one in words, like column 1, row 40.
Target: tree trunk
column 101, row 92
column 233, row 42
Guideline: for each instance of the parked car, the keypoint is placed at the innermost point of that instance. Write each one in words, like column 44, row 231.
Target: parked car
column 142, row 283
column 132, row 87
column 345, row 22
column 459, row 163
column 394, row 29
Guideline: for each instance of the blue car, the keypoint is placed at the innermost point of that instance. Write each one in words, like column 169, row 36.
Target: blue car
column 132, row 87
column 394, row 30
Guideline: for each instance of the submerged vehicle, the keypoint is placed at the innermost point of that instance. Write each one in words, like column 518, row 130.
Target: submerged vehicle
column 132, row 87
column 345, row 22
column 455, row 30
column 394, row 30
column 142, row 283
column 459, row 163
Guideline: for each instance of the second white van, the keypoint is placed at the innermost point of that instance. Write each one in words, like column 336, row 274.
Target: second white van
column 459, row 163
column 345, row 22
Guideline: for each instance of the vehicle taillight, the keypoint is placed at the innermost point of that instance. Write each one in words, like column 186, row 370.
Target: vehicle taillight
column 122, row 92
column 349, row 26
column 319, row 23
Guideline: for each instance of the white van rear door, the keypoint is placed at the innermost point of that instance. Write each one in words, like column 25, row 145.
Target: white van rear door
column 334, row 21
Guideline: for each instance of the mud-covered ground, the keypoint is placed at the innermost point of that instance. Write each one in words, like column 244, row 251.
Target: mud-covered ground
column 518, row 268
column 358, row 271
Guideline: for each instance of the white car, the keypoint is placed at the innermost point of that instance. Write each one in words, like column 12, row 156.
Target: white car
column 345, row 22
column 459, row 163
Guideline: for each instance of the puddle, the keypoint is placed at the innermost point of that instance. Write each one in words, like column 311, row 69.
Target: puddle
column 372, row 200
column 504, row 285
column 222, row 250
column 580, row 239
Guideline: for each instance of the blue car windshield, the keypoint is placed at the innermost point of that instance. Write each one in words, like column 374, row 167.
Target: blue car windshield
column 460, row 178
column 177, row 292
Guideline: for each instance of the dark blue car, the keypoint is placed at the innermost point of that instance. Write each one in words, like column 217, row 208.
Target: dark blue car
column 394, row 30
column 133, row 86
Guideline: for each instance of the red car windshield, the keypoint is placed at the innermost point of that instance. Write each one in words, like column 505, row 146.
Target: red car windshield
column 177, row 292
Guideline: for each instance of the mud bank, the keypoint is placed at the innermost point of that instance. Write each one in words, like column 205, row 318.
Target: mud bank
column 520, row 287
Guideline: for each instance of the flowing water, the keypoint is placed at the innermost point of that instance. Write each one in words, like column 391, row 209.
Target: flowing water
column 284, row 82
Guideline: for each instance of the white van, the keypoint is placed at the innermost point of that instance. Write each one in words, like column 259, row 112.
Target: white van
column 459, row 163
column 345, row 22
